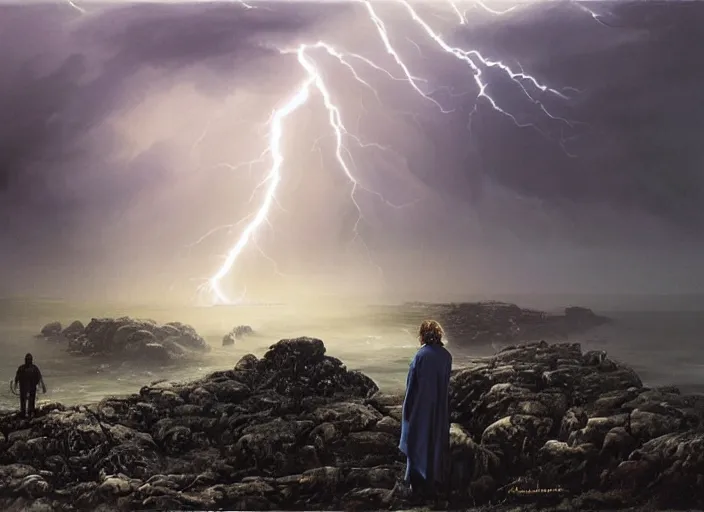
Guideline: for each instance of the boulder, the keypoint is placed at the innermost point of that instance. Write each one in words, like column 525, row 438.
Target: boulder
column 235, row 334
column 138, row 340
column 51, row 330
column 74, row 330
column 579, row 318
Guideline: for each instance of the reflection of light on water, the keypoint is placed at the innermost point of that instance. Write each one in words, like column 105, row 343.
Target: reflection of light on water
column 103, row 368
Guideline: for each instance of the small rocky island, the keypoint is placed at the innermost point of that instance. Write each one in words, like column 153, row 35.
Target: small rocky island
column 472, row 323
column 237, row 333
column 536, row 425
column 128, row 338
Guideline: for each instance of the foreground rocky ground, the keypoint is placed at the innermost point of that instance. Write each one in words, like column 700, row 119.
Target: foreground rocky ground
column 296, row 430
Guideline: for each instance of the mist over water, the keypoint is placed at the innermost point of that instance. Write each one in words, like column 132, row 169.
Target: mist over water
column 382, row 350
column 660, row 337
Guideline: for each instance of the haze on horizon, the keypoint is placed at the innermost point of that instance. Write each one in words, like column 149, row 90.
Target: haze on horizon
column 121, row 120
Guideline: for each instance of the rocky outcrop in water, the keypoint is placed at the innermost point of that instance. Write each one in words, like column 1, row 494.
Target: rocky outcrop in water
column 51, row 329
column 472, row 323
column 74, row 330
column 237, row 333
column 297, row 430
column 129, row 338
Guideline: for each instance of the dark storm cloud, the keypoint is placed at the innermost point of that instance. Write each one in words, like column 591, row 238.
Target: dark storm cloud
column 64, row 74
column 635, row 136
column 52, row 103
column 221, row 37
column 637, row 117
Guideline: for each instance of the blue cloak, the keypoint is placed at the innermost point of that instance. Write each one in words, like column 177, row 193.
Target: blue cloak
column 425, row 428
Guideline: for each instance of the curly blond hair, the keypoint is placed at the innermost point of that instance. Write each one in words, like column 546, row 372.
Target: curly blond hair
column 430, row 333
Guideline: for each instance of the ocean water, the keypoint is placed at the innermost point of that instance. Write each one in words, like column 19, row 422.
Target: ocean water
column 665, row 346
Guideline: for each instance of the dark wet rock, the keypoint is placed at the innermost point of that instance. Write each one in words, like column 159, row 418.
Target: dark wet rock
column 296, row 429
column 579, row 318
column 389, row 425
column 52, row 332
column 574, row 419
column 237, row 333
column 51, row 329
column 618, row 443
column 133, row 339
column 471, row 463
column 74, row 330
column 297, row 367
column 596, row 429
column 384, row 402
column 594, row 357
column 565, row 466
column 515, row 439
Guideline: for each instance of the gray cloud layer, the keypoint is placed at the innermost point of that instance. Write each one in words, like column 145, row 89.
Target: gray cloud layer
column 635, row 181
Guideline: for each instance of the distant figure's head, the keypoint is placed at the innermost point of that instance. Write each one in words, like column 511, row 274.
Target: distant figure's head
column 430, row 333
column 28, row 359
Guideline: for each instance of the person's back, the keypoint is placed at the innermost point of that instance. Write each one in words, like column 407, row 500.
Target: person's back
column 425, row 429
column 28, row 377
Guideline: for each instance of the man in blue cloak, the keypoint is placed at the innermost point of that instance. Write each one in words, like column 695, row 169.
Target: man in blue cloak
column 425, row 428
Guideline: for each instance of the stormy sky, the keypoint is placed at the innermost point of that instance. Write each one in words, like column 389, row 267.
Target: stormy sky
column 125, row 130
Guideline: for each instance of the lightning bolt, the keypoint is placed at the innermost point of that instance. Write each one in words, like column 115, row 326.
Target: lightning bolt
column 76, row 7
column 599, row 18
column 476, row 63
column 314, row 81
column 493, row 11
column 463, row 16
column 314, row 84
column 273, row 178
column 460, row 14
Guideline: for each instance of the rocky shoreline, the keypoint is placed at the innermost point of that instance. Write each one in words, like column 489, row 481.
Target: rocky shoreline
column 536, row 425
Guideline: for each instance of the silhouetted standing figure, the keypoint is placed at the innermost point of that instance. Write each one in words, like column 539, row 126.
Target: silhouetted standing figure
column 425, row 428
column 28, row 377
